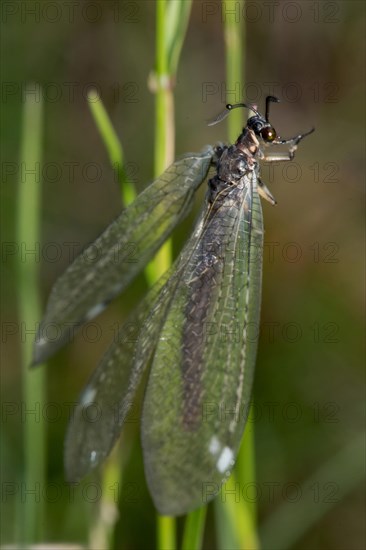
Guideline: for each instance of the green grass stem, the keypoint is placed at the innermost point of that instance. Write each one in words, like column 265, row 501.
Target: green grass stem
column 32, row 512
column 240, row 517
column 194, row 529
column 166, row 533
column 171, row 23
column 112, row 144
column 234, row 36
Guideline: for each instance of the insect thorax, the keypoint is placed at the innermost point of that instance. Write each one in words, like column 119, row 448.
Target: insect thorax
column 233, row 162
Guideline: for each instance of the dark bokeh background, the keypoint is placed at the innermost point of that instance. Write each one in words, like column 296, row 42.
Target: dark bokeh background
column 309, row 387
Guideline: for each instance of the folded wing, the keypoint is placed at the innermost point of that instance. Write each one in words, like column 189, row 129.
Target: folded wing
column 120, row 252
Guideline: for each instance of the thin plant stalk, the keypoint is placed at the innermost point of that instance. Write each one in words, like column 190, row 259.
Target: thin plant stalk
column 240, row 524
column 101, row 533
column 245, row 472
column 194, row 529
column 166, row 533
column 171, row 23
column 234, row 523
column 163, row 156
column 164, row 129
column 112, row 144
column 28, row 216
column 234, row 36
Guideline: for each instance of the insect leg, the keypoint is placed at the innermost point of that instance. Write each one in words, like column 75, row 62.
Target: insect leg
column 265, row 193
column 285, row 155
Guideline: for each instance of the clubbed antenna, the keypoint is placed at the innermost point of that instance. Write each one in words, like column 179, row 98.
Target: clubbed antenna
column 269, row 99
column 229, row 108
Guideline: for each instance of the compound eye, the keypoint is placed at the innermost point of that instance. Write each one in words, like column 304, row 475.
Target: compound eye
column 268, row 134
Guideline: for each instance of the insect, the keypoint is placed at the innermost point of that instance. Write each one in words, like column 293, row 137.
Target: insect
column 195, row 328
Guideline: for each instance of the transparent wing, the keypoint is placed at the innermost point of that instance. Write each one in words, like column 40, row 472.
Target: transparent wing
column 201, row 377
column 121, row 251
column 106, row 400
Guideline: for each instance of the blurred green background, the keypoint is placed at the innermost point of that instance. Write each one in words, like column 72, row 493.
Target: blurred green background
column 309, row 385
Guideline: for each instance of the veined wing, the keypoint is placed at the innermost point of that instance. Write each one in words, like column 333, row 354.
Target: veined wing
column 109, row 394
column 88, row 285
column 111, row 389
column 201, row 377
